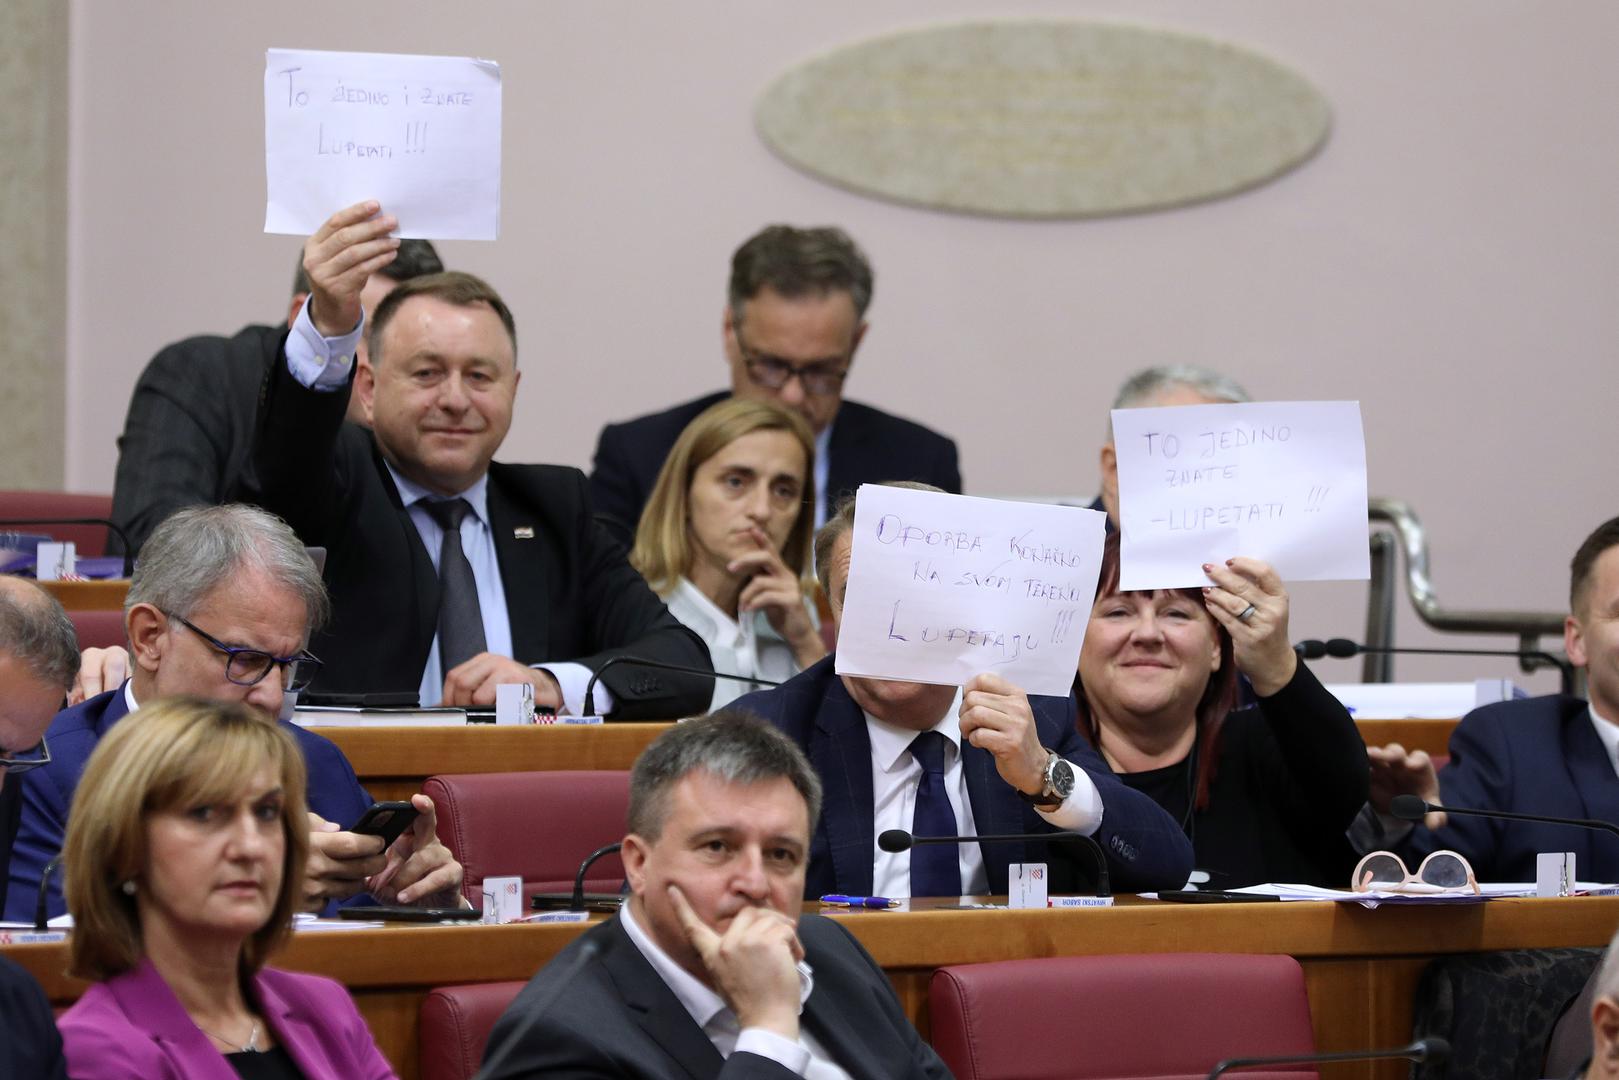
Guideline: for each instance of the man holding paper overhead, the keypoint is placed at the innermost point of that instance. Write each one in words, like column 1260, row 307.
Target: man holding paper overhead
column 937, row 760
column 449, row 573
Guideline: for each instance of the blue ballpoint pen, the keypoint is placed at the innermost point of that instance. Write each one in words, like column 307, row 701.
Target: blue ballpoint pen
column 859, row 901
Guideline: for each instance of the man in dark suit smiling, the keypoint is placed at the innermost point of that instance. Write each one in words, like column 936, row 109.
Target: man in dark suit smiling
column 449, row 573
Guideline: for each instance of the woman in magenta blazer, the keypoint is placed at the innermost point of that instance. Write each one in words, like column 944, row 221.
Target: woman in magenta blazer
column 184, row 851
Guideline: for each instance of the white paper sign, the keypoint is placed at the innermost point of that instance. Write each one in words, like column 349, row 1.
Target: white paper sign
column 943, row 587
column 1280, row 481
column 419, row 134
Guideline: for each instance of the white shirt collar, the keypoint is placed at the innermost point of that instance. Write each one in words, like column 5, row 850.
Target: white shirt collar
column 724, row 629
column 1608, row 734
column 129, row 695
column 889, row 742
column 411, row 493
column 702, row 1003
column 697, row 999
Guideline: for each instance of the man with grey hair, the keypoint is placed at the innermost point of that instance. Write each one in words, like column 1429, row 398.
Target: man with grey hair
column 1156, row 387
column 221, row 607
column 795, row 314
column 709, row 970
column 979, row 759
column 39, row 654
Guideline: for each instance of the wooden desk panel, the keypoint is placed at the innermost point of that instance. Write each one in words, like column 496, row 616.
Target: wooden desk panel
column 1361, row 967
column 89, row 595
column 393, row 762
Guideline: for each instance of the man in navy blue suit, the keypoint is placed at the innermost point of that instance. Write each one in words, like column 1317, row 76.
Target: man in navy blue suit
column 221, row 607
column 1555, row 755
column 794, row 318
column 1011, row 764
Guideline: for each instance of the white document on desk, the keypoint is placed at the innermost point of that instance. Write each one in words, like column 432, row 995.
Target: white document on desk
column 1280, row 481
column 419, row 134
column 943, row 587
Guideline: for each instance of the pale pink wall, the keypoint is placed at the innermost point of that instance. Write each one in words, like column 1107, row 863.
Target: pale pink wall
column 1449, row 259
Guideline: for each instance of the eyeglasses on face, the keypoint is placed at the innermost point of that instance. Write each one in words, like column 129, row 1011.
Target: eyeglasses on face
column 822, row 378
column 26, row 760
column 248, row 667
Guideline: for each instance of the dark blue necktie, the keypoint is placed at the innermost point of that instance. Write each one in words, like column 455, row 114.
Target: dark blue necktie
column 935, row 868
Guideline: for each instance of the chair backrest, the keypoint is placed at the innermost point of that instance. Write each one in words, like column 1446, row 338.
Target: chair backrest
column 90, row 540
column 536, row 825
column 98, row 629
column 455, row 1026
column 1165, row 1016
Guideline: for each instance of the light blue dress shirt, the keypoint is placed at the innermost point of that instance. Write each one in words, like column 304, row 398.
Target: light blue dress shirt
column 324, row 364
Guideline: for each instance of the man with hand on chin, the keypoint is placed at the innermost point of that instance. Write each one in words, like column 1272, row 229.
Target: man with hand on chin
column 983, row 759
column 708, row 969
column 450, row 573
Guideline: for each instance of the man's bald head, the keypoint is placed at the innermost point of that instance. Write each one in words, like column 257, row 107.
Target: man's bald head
column 39, row 656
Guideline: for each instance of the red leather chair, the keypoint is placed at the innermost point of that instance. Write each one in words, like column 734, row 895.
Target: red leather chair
column 91, row 540
column 1166, row 1016
column 537, row 825
column 455, row 1026
column 98, row 629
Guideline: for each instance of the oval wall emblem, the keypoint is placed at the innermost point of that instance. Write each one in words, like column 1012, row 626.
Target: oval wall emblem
column 1041, row 118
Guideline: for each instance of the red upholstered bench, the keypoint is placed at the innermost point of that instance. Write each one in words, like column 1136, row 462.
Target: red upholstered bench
column 1166, row 1016
column 536, row 825
column 455, row 1026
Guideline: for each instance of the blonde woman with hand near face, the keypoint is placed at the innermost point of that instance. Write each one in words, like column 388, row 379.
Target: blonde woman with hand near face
column 184, row 854
column 725, row 540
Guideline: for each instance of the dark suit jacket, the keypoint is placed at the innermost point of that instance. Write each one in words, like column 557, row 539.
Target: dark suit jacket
column 1145, row 848
column 1536, row 756
column 868, row 446
column 29, row 1043
column 189, row 427
column 47, row 793
column 570, row 592
column 613, row 1016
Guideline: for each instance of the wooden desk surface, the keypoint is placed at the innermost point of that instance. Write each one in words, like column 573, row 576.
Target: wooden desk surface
column 89, row 595
column 393, row 762
column 1361, row 966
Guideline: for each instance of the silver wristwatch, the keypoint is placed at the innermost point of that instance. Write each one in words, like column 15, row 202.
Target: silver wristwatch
column 1057, row 785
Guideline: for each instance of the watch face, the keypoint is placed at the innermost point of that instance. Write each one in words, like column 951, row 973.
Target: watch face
column 1062, row 778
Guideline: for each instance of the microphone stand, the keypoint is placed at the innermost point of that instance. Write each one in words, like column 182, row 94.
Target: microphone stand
column 1431, row 1049
column 661, row 665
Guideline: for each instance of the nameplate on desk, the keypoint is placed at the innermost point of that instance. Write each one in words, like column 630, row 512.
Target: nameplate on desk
column 544, row 718
column 32, row 937
column 1078, row 901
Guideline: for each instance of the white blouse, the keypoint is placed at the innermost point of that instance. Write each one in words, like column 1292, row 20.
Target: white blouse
column 750, row 647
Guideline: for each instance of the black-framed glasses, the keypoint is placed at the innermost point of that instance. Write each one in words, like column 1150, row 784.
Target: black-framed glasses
column 39, row 755
column 248, row 667
column 822, row 378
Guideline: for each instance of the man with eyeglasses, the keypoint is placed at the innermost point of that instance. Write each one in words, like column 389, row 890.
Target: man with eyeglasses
column 795, row 316
column 221, row 607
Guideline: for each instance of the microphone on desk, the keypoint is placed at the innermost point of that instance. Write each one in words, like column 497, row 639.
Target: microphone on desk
column 661, row 665
column 576, row 899
column 1342, row 649
column 1413, row 807
column 42, row 903
column 895, row 841
column 111, row 526
column 1423, row 1051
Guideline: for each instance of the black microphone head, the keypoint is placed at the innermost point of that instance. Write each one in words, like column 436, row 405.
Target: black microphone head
column 1311, row 649
column 1342, row 648
column 1432, row 1048
column 1408, row 807
column 894, row 841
